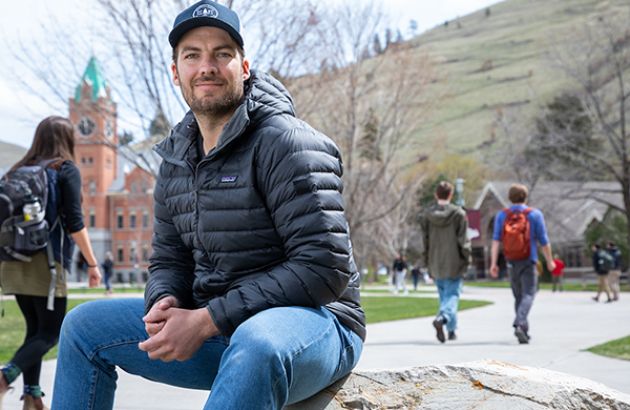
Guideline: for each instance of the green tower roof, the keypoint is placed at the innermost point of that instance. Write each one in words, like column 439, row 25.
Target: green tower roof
column 93, row 76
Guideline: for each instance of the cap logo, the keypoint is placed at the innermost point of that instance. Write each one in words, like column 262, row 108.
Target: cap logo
column 205, row 10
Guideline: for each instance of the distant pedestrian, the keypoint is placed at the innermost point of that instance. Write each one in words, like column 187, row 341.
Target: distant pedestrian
column 108, row 270
column 399, row 271
column 415, row 276
column 614, row 276
column 520, row 228
column 602, row 264
column 446, row 249
column 557, row 275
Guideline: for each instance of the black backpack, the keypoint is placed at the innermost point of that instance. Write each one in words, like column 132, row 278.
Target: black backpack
column 24, row 228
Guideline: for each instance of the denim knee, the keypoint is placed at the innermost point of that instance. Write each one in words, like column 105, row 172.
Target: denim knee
column 78, row 319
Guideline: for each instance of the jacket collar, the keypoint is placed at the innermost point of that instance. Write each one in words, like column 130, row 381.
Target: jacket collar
column 264, row 97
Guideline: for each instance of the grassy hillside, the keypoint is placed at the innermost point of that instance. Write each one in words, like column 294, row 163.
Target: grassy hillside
column 500, row 60
column 9, row 154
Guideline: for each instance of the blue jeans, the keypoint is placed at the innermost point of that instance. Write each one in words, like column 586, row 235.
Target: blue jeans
column 277, row 357
column 449, row 290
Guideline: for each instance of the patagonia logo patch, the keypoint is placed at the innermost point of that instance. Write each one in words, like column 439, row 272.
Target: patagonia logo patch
column 228, row 179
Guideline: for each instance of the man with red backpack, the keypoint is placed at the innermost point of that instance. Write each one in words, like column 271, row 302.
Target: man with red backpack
column 520, row 228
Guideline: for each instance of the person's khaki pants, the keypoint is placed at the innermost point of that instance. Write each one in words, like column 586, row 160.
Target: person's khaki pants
column 613, row 280
column 602, row 285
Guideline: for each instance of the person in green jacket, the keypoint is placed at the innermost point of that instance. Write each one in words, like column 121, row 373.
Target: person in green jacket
column 446, row 251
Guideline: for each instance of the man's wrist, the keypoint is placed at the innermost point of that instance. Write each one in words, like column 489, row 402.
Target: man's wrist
column 209, row 327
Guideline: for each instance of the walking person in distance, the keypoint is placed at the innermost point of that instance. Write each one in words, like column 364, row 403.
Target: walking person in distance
column 446, row 251
column 520, row 229
column 31, row 281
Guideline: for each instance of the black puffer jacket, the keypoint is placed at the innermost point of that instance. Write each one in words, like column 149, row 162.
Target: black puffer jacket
column 259, row 222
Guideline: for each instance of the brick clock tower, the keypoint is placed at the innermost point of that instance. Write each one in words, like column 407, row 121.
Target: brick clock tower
column 116, row 197
column 94, row 114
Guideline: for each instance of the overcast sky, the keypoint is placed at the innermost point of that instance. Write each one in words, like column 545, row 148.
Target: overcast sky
column 20, row 112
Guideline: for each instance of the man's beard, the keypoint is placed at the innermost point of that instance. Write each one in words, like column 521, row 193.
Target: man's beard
column 211, row 106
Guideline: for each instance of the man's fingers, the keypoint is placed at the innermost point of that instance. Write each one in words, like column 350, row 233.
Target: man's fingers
column 156, row 349
column 153, row 328
column 166, row 303
column 155, row 316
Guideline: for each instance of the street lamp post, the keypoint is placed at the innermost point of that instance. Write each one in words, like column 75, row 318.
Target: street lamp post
column 459, row 192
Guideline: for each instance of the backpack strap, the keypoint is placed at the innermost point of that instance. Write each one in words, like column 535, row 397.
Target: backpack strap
column 50, row 302
column 46, row 162
column 508, row 212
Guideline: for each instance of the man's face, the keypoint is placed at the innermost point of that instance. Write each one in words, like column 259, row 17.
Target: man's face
column 210, row 71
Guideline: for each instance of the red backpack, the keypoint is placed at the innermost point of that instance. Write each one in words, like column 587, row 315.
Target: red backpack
column 516, row 235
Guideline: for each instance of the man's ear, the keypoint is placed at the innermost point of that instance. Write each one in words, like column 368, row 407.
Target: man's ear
column 175, row 74
column 246, row 72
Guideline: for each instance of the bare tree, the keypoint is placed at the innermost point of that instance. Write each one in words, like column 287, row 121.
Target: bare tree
column 508, row 154
column 583, row 133
column 370, row 108
column 598, row 63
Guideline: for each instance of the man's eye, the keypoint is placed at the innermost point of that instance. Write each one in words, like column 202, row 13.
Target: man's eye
column 224, row 55
column 190, row 56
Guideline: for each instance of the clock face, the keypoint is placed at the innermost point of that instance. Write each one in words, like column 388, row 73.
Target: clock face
column 86, row 126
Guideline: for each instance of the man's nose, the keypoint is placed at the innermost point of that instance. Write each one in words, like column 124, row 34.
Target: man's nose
column 208, row 66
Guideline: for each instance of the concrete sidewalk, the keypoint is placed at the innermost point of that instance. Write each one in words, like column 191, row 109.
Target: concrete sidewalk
column 562, row 326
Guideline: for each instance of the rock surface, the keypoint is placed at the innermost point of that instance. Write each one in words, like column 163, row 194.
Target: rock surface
column 478, row 385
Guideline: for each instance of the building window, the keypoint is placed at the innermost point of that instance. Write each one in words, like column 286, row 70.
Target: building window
column 132, row 220
column 120, row 221
column 145, row 219
column 92, row 218
column 120, row 254
column 92, row 187
column 132, row 255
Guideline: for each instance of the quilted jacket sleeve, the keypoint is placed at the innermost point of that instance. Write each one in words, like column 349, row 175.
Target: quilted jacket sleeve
column 299, row 175
column 424, row 230
column 171, row 264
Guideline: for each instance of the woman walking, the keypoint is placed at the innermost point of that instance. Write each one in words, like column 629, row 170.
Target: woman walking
column 53, row 146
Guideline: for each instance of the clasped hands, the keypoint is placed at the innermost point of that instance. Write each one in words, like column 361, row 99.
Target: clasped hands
column 175, row 333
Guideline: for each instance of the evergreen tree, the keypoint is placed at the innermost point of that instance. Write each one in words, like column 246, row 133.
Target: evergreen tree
column 376, row 45
column 160, row 126
column 368, row 144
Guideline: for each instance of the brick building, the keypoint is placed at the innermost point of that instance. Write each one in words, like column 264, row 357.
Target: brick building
column 117, row 193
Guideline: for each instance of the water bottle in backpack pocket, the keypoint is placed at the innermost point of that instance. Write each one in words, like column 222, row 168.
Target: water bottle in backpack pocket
column 24, row 230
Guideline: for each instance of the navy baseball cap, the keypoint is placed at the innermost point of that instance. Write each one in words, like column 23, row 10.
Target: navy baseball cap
column 206, row 13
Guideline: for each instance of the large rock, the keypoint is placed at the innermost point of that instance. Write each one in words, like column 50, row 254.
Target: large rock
column 477, row 385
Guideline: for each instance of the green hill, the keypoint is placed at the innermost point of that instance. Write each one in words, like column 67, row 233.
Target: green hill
column 9, row 154
column 485, row 63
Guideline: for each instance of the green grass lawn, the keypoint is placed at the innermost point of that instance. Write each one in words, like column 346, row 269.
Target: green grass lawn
column 589, row 287
column 13, row 327
column 383, row 309
column 368, row 290
column 617, row 349
column 377, row 309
